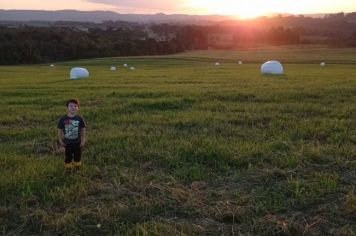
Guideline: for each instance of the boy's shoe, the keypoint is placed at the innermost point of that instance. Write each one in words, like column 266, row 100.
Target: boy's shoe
column 68, row 168
column 77, row 166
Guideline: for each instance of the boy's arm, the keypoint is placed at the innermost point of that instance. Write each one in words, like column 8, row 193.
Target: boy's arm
column 83, row 136
column 61, row 136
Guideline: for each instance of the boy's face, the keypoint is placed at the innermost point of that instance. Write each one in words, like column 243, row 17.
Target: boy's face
column 72, row 108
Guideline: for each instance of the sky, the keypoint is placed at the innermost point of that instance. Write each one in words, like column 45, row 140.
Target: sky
column 238, row 8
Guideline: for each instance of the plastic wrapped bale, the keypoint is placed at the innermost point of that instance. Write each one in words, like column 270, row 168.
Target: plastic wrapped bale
column 272, row 67
column 79, row 73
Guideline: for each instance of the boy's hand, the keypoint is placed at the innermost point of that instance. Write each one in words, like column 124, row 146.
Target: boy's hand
column 61, row 143
column 82, row 143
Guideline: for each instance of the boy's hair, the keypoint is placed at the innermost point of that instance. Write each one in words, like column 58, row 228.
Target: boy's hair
column 75, row 101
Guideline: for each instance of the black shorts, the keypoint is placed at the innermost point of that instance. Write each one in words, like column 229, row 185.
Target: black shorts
column 73, row 152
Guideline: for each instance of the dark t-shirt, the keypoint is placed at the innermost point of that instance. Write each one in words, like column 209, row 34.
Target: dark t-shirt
column 71, row 127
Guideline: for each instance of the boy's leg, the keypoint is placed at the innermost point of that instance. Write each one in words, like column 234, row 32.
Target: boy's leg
column 68, row 158
column 77, row 157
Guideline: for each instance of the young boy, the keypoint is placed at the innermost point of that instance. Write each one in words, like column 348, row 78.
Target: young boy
column 71, row 134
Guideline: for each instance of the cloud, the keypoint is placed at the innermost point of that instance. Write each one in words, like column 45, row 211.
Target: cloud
column 164, row 5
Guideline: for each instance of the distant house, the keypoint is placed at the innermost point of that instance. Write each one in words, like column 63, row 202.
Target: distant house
column 159, row 37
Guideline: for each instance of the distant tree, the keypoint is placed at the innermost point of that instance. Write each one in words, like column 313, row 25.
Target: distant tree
column 279, row 36
column 75, row 40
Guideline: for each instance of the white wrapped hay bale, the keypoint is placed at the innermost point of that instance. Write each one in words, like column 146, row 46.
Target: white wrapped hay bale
column 79, row 73
column 272, row 68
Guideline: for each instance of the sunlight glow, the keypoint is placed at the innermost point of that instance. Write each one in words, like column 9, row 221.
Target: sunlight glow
column 252, row 8
column 239, row 8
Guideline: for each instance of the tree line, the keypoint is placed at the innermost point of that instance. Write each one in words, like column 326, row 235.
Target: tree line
column 30, row 44
column 37, row 45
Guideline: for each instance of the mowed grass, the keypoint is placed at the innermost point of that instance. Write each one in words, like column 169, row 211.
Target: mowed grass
column 288, row 54
column 181, row 147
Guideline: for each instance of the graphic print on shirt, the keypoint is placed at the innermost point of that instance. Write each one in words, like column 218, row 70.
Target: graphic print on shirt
column 71, row 129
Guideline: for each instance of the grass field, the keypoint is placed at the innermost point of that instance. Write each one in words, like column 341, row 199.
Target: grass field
column 181, row 147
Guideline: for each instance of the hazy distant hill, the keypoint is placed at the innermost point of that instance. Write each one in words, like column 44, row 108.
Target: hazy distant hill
column 99, row 16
